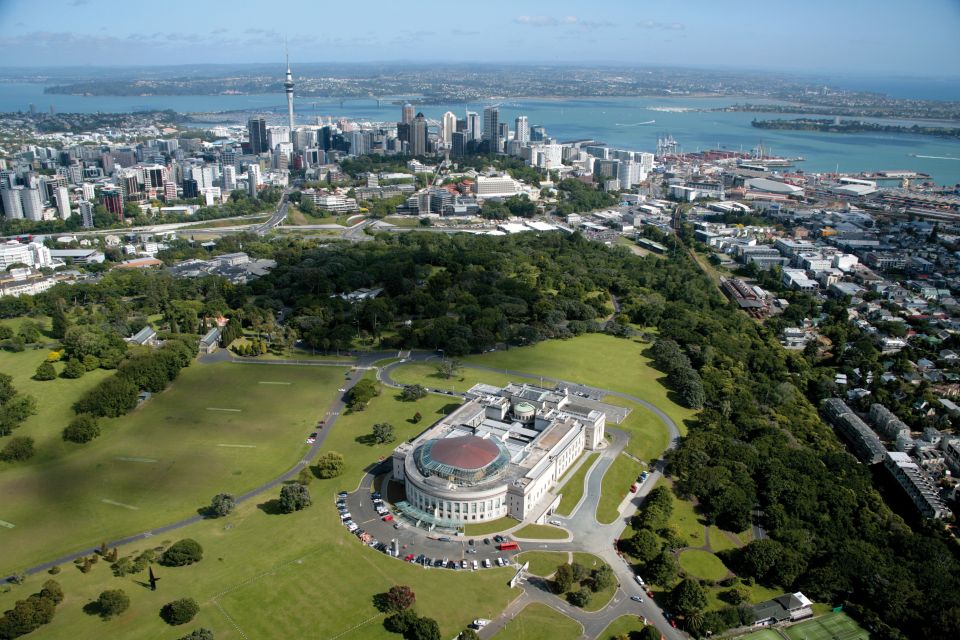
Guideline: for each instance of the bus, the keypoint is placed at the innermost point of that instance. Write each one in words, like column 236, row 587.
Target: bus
column 508, row 545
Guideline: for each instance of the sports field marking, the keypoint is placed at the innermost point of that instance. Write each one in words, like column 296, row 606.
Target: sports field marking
column 239, row 446
column 119, row 504
column 221, row 409
column 268, row 382
column 129, row 459
column 8, row 525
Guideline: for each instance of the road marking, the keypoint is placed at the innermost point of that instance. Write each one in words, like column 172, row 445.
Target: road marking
column 220, row 409
column 8, row 525
column 239, row 446
column 120, row 504
column 268, row 382
column 128, row 459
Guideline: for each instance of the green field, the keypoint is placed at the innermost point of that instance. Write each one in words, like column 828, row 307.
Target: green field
column 586, row 359
column 648, row 435
column 540, row 622
column 572, row 489
column 687, row 522
column 721, row 540
column 425, row 374
column 541, row 532
column 493, row 526
column 543, row 563
column 832, row 626
column 616, row 485
column 762, row 634
column 298, row 575
column 702, row 564
column 217, row 428
column 624, row 625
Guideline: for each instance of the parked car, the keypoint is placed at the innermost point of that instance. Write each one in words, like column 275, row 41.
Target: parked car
column 636, row 598
column 486, row 541
column 640, row 581
column 501, row 562
column 480, row 623
column 463, row 564
column 556, row 523
column 486, row 563
column 498, row 538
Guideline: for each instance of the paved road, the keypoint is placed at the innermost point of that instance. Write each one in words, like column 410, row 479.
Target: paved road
column 278, row 216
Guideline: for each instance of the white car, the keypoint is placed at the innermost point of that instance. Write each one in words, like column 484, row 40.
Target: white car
column 480, row 623
column 556, row 523
column 500, row 562
column 486, row 563
column 640, row 581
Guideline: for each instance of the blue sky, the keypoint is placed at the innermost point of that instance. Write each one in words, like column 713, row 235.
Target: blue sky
column 849, row 37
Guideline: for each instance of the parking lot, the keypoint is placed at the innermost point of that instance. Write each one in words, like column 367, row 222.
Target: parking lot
column 375, row 524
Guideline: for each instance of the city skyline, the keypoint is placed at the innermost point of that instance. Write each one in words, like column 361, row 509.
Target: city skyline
column 818, row 39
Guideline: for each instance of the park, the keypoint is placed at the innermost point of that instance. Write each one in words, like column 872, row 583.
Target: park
column 230, row 427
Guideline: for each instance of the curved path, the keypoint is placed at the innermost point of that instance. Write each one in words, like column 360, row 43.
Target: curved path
column 588, row 535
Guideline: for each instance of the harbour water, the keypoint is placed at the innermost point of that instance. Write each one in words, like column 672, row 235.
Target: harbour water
column 627, row 122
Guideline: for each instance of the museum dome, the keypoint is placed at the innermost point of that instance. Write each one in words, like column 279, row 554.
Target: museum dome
column 463, row 459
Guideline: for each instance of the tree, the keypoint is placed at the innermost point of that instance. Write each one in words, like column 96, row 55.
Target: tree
column 112, row 602
column 423, row 629
column 82, row 428
column 579, row 572
column 688, row 596
column 7, row 390
column 412, row 393
column 580, row 597
column 563, row 578
column 17, row 449
column 294, row 497
column 469, row 634
column 401, row 621
column 602, row 578
column 663, row 569
column 15, row 411
column 113, row 397
column 179, row 611
column 448, row 367
column 643, row 545
column 383, row 433
column 363, row 392
column 29, row 331
column 26, row 616
column 182, row 553
column 74, row 368
column 45, row 371
column 329, row 465
column 60, row 321
column 400, row 597
column 199, row 634
column 221, row 505
column 52, row 589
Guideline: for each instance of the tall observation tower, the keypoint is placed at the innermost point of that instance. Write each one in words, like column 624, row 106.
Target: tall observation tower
column 288, row 87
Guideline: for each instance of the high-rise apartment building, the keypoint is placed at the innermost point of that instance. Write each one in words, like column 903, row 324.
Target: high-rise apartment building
column 86, row 214
column 406, row 115
column 32, row 204
column 473, row 126
column 10, row 196
column 62, row 197
column 418, row 135
column 521, row 131
column 491, row 128
column 449, row 125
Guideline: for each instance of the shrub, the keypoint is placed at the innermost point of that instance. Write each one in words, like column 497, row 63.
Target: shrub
column 199, row 634
column 221, row 505
column 17, row 449
column 52, row 589
column 400, row 621
column 182, row 553
column 83, row 428
column 45, row 371
column 179, row 611
column 294, row 497
column 330, row 465
column 112, row 602
column 74, row 369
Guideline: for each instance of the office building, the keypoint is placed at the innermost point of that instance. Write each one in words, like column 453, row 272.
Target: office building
column 418, row 136
column 253, row 179
column 86, row 214
column 62, row 198
column 113, row 202
column 89, row 191
column 406, row 115
column 538, row 133
column 10, row 196
column 473, row 126
column 32, row 204
column 458, row 145
column 277, row 135
column 521, row 131
column 257, row 133
column 491, row 128
column 229, row 178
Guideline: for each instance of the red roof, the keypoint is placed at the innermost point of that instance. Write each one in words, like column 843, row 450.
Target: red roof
column 465, row 452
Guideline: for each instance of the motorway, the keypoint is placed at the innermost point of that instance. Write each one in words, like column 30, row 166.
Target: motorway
column 586, row 534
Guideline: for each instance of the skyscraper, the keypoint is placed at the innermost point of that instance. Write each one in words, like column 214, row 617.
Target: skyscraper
column 458, row 146
column 86, row 214
column 10, row 195
column 32, row 204
column 253, row 179
column 288, row 87
column 62, row 197
column 521, row 132
column 449, row 126
column 407, row 115
column 257, row 132
column 491, row 128
column 418, row 135
column 473, row 126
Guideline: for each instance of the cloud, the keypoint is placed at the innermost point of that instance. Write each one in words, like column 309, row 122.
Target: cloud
column 545, row 21
column 219, row 31
column 666, row 26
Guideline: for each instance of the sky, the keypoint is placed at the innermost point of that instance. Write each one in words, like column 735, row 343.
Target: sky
column 848, row 37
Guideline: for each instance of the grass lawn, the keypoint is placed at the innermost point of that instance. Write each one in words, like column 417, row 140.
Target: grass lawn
column 543, row 563
column 763, row 634
column 404, row 221
column 572, row 489
column 215, row 224
column 425, row 374
column 648, row 436
column 541, row 531
column 540, row 622
column 163, row 461
column 586, row 359
column 702, row 564
column 616, row 485
column 284, row 576
column 756, row 593
column 720, row 540
column 624, row 625
column 833, row 626
column 687, row 522
column 599, row 599
column 493, row 526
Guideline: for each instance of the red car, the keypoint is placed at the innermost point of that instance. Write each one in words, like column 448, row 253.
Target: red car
column 409, row 558
column 387, row 518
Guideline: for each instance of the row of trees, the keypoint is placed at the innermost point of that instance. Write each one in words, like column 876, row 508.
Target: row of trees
column 31, row 613
column 681, row 376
